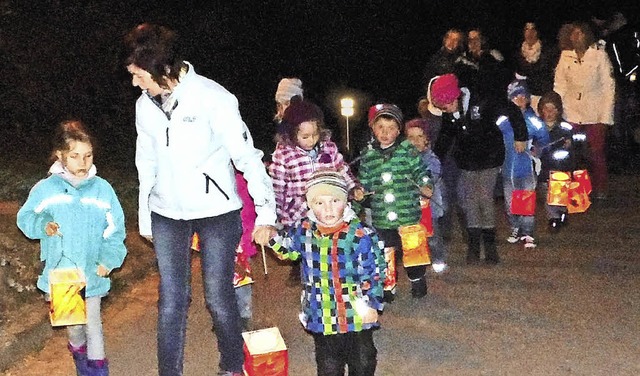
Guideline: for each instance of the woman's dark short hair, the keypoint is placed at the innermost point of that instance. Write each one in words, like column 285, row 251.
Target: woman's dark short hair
column 155, row 49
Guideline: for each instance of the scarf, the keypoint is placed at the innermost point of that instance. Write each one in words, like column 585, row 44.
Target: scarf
column 531, row 53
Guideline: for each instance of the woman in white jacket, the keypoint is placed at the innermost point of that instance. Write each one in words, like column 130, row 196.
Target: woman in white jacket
column 190, row 138
column 584, row 80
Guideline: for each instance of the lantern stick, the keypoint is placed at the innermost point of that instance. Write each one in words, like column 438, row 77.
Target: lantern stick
column 264, row 259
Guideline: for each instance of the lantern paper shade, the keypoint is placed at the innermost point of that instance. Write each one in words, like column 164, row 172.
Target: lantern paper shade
column 66, row 288
column 558, row 194
column 390, row 280
column 415, row 249
column 265, row 353
column 426, row 218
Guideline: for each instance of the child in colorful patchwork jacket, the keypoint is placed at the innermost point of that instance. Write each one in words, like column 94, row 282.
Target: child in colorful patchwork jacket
column 342, row 275
column 305, row 147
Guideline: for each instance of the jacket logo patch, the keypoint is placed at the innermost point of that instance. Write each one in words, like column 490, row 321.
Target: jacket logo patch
column 475, row 113
column 189, row 119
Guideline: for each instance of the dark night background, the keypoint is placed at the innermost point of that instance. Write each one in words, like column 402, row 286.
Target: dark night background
column 61, row 58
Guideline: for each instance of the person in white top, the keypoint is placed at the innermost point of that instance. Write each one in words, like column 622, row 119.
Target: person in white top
column 190, row 138
column 584, row 80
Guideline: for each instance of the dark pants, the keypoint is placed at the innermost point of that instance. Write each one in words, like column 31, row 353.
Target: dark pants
column 355, row 350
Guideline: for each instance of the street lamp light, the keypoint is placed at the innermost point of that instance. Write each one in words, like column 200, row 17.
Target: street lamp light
column 346, row 109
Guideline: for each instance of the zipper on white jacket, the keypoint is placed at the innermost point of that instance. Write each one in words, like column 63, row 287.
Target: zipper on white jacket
column 210, row 179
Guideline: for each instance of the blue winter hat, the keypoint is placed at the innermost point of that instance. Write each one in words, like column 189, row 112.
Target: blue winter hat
column 518, row 87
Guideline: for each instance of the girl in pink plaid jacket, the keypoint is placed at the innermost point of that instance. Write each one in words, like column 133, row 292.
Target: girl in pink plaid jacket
column 306, row 147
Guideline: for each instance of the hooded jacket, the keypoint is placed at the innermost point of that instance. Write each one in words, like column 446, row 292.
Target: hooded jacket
column 186, row 157
column 91, row 226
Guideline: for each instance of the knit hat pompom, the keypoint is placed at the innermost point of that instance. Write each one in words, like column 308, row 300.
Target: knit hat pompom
column 288, row 88
column 388, row 110
column 445, row 90
column 326, row 182
column 517, row 87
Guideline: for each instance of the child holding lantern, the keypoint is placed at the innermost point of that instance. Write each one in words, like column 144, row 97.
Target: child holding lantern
column 342, row 274
column 518, row 171
column 78, row 219
column 392, row 171
column 417, row 132
column 558, row 155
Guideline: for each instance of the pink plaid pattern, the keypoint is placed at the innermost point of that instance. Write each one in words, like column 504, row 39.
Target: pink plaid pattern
column 290, row 170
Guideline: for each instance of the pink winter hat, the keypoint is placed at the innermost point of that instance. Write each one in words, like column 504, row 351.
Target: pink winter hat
column 445, row 90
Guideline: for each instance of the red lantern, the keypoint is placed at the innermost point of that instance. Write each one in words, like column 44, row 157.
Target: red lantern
column 582, row 176
column 426, row 220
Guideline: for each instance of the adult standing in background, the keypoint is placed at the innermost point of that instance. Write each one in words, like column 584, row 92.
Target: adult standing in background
column 535, row 61
column 447, row 58
column 189, row 138
column 483, row 69
column 469, row 127
column 584, row 80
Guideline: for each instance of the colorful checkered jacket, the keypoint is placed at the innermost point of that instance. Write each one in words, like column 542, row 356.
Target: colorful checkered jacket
column 395, row 176
column 291, row 168
column 340, row 272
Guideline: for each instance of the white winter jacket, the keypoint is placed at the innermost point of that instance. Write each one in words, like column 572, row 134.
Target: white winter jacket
column 184, row 159
column 586, row 86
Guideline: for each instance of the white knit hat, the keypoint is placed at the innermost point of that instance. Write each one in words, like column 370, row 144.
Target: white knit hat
column 287, row 88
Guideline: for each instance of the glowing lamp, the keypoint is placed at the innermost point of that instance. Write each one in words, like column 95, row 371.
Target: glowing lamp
column 67, row 305
column 347, row 110
column 558, row 194
column 415, row 249
column 265, row 353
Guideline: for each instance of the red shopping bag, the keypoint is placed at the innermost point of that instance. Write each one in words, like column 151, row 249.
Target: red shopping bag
column 523, row 202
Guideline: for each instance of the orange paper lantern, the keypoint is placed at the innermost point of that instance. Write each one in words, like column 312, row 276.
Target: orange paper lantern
column 558, row 194
column 415, row 249
column 67, row 305
column 578, row 198
column 265, row 353
column 390, row 279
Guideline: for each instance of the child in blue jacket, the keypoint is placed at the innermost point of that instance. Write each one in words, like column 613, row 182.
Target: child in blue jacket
column 518, row 170
column 80, row 224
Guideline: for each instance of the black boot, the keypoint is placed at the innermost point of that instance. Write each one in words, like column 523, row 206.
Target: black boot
column 473, row 245
column 490, row 246
column 419, row 288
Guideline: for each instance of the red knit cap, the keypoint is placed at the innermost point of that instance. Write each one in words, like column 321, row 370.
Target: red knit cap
column 418, row 123
column 445, row 90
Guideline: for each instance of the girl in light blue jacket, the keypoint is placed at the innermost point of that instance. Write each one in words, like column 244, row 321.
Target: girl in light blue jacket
column 80, row 224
